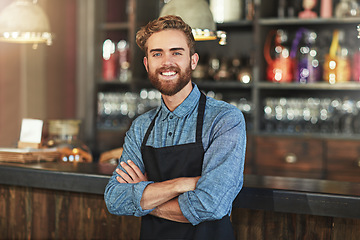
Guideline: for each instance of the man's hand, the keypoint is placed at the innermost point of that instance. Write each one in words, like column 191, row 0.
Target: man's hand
column 132, row 175
column 171, row 211
column 158, row 193
column 161, row 195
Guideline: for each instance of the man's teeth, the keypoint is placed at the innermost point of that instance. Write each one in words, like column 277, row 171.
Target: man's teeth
column 168, row 73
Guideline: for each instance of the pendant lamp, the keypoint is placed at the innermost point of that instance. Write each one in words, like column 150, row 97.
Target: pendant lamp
column 198, row 15
column 23, row 21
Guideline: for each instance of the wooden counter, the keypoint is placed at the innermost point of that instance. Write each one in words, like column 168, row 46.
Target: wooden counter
column 65, row 201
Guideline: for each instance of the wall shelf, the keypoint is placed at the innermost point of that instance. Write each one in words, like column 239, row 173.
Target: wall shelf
column 351, row 86
column 313, row 21
column 223, row 85
column 237, row 24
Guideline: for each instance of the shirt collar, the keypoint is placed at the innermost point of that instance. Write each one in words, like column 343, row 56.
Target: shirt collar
column 185, row 107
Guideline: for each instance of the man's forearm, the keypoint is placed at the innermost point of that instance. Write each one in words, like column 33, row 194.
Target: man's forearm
column 170, row 211
column 158, row 193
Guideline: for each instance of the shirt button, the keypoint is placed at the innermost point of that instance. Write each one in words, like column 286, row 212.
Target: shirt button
column 170, row 134
column 171, row 116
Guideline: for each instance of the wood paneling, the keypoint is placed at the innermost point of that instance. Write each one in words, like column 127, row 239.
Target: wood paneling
column 295, row 157
column 28, row 213
column 343, row 160
column 258, row 224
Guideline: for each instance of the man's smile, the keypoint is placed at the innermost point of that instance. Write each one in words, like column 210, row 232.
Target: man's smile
column 168, row 73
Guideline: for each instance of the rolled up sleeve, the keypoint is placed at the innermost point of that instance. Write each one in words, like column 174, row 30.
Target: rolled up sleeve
column 124, row 198
column 222, row 174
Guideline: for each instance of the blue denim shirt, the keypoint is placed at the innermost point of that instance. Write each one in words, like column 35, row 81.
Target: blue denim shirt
column 224, row 142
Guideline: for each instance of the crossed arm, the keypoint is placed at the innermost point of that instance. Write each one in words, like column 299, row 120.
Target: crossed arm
column 160, row 195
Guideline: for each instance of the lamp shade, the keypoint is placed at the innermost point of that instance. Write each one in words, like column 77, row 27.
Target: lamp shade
column 24, row 22
column 197, row 14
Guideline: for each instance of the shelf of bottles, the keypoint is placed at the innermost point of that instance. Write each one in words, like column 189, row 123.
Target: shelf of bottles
column 116, row 62
column 325, row 115
column 115, row 45
column 229, row 80
column 306, row 79
column 317, row 44
column 116, row 110
column 312, row 56
column 310, row 78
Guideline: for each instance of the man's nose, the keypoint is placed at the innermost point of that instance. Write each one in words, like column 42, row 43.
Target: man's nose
column 167, row 59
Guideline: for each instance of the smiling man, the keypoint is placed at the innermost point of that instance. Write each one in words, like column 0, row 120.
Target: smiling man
column 168, row 66
column 182, row 163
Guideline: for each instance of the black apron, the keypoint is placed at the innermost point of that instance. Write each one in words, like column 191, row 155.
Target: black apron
column 183, row 160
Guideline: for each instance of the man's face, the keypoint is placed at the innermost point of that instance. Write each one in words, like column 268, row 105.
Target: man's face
column 168, row 61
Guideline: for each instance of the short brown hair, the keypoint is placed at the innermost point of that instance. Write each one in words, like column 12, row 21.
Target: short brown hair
column 163, row 23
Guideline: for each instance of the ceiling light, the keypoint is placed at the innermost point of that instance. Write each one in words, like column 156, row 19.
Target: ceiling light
column 23, row 21
column 198, row 15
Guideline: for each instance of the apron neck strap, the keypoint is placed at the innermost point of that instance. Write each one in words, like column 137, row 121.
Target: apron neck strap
column 199, row 124
column 200, row 117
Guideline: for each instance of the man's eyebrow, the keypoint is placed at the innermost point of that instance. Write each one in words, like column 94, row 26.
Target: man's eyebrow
column 171, row 49
column 177, row 49
column 156, row 50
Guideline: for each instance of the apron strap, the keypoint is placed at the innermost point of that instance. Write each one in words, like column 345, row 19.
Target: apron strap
column 199, row 123
column 200, row 117
column 149, row 130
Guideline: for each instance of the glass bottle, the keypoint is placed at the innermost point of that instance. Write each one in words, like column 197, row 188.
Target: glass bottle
column 109, row 61
column 64, row 135
column 337, row 62
column 347, row 8
column 223, row 74
column 281, row 8
column 277, row 56
column 326, row 8
column 245, row 72
column 343, row 55
column 124, row 73
column 286, row 9
column 214, row 66
column 356, row 66
column 307, row 69
column 235, row 67
column 249, row 10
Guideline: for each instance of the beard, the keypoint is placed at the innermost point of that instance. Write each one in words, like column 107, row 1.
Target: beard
column 170, row 88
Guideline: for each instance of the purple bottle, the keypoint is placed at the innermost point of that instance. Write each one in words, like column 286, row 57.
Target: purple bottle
column 307, row 67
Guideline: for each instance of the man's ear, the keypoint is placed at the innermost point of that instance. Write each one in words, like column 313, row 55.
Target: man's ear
column 194, row 60
column 145, row 61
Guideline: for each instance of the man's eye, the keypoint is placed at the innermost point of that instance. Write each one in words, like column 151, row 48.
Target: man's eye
column 177, row 53
column 156, row 54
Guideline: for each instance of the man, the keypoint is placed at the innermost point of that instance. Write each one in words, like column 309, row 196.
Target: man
column 187, row 156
